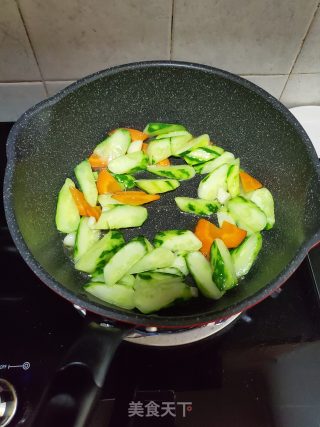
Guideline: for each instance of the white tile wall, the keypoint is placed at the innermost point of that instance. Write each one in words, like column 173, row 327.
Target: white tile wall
column 242, row 36
column 54, row 87
column 302, row 89
column 273, row 84
column 77, row 37
column 16, row 57
column 16, row 98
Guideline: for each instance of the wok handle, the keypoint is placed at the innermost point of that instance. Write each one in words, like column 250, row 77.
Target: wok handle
column 76, row 386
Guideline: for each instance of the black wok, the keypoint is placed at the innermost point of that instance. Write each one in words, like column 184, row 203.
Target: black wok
column 52, row 137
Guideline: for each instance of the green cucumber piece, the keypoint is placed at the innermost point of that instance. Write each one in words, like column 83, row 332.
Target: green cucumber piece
column 154, row 277
column 172, row 134
column 122, row 216
column 153, row 297
column 122, row 262
column 118, row 295
column 126, row 280
column 70, row 240
column 159, row 150
column 184, row 143
column 210, row 185
column 115, row 145
column 180, row 172
column 233, row 178
column 155, row 186
column 158, row 258
column 97, row 277
column 264, row 200
column 170, row 270
column 224, row 274
column 201, row 272
column 180, row 264
column 225, row 216
column 129, row 163
column 125, row 180
column 177, row 240
column 86, row 237
column 106, row 200
column 135, row 146
column 67, row 214
column 100, row 252
column 87, row 182
column 153, row 129
column 201, row 155
column 196, row 206
column 245, row 255
column 210, row 166
column 247, row 213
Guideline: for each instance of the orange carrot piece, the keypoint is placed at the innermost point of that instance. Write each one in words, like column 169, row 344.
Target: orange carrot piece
column 97, row 162
column 248, row 182
column 84, row 208
column 106, row 183
column 135, row 198
column 164, row 162
column 206, row 232
column 144, row 147
column 232, row 235
column 136, row 135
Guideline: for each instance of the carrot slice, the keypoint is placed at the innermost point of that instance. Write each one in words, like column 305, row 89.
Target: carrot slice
column 206, row 232
column 232, row 235
column 84, row 208
column 106, row 183
column 135, row 197
column 164, row 162
column 248, row 182
column 136, row 135
column 97, row 162
column 144, row 147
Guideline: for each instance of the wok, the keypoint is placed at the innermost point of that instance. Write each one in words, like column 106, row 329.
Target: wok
column 55, row 135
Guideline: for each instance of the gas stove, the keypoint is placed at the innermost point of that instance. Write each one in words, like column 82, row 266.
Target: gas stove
column 260, row 369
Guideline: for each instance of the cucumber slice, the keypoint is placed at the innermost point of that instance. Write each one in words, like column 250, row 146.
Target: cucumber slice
column 86, row 237
column 210, row 166
column 201, row 155
column 225, row 216
column 87, row 182
column 209, row 186
column 180, row 172
column 106, row 200
column 233, row 178
column 135, row 146
column 154, row 277
column 153, row 297
column 153, row 129
column 223, row 196
column 98, row 277
column 196, row 206
column 114, row 146
column 159, row 150
column 245, row 255
column 129, row 163
column 126, row 181
column 180, row 264
column 122, row 216
column 70, row 240
column 100, row 252
column 178, row 240
column 155, row 186
column 119, row 295
column 247, row 213
column 67, row 214
column 126, row 280
column 201, row 272
column 264, row 200
column 122, row 262
column 182, row 144
column 158, row 258
column 224, row 274
column 170, row 270
column 172, row 134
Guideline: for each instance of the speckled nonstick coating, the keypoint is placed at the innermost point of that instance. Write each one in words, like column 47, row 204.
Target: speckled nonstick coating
column 52, row 137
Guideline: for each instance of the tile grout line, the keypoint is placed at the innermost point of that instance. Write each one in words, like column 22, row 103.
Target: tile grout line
column 171, row 29
column 32, row 48
column 299, row 51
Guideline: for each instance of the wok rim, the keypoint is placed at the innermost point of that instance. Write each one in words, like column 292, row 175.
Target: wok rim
column 119, row 314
